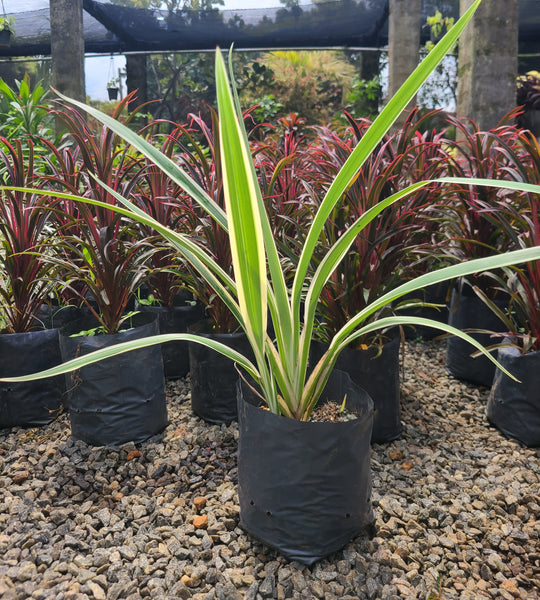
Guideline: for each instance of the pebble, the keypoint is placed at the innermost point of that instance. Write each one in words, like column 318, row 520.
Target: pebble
column 457, row 507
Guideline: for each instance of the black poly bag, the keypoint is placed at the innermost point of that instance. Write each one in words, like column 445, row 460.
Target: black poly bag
column 378, row 374
column 31, row 403
column 305, row 488
column 467, row 311
column 214, row 376
column 175, row 319
column 514, row 407
column 432, row 294
column 121, row 398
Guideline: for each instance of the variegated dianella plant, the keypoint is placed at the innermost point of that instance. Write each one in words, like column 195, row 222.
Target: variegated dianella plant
column 259, row 292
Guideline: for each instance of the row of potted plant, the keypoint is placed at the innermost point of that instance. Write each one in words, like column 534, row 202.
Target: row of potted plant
column 101, row 261
column 276, row 299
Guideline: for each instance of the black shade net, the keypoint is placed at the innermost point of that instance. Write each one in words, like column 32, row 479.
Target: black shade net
column 338, row 23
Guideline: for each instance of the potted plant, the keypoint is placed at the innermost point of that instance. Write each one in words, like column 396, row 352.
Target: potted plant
column 113, row 87
column 212, row 398
column 337, row 509
column 97, row 257
column 469, row 219
column 377, row 259
column 7, row 31
column 515, row 407
column 166, row 291
column 25, row 343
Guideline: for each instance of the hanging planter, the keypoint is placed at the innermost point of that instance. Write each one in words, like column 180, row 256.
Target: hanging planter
column 5, row 37
column 113, row 93
column 113, row 82
column 6, row 28
column 305, row 487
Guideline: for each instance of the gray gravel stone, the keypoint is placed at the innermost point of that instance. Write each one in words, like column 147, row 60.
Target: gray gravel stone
column 457, row 508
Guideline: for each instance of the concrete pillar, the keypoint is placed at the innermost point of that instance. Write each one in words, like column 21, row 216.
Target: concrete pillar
column 136, row 78
column 487, row 62
column 67, row 47
column 403, row 42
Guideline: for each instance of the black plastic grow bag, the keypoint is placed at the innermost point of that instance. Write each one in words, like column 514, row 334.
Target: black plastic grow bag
column 119, row 399
column 175, row 319
column 432, row 294
column 378, row 374
column 31, row 403
column 56, row 317
column 514, row 407
column 214, row 376
column 467, row 311
column 305, row 488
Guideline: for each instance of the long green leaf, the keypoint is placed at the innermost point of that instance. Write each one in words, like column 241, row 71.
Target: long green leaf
column 321, row 371
column 104, row 353
column 162, row 161
column 346, row 333
column 245, row 226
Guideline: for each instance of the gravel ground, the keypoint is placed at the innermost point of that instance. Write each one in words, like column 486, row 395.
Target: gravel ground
column 457, row 509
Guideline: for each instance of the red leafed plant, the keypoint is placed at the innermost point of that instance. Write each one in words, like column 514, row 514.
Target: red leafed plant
column 164, row 200
column 25, row 283
column 521, row 221
column 471, row 218
column 285, row 170
column 375, row 263
column 95, row 252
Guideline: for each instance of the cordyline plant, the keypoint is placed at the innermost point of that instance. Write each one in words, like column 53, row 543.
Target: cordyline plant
column 470, row 215
column 25, row 283
column 94, row 252
column 376, row 260
column 286, row 167
column 281, row 363
column 200, row 157
column 520, row 220
column 164, row 201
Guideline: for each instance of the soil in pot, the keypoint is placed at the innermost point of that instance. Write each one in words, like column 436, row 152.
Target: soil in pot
column 378, row 374
column 175, row 319
column 32, row 403
column 119, row 399
column 514, row 408
column 213, row 376
column 305, row 487
column 467, row 311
